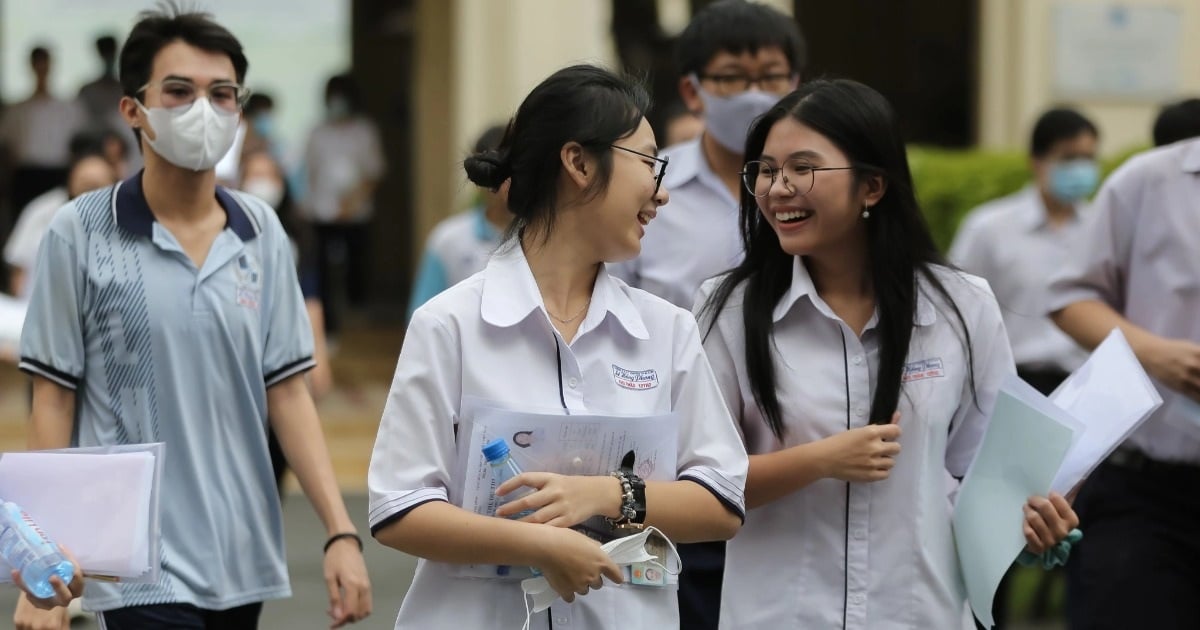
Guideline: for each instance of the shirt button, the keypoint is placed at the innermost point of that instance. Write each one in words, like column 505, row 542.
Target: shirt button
column 858, row 598
column 860, row 410
column 858, row 360
column 572, row 382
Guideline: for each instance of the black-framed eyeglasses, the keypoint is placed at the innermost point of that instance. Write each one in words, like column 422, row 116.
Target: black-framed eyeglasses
column 798, row 176
column 727, row 83
column 178, row 92
column 662, row 164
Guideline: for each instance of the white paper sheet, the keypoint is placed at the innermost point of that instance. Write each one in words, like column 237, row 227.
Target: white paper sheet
column 100, row 506
column 1111, row 395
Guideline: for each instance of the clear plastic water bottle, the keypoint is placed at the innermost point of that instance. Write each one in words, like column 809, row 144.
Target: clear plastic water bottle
column 504, row 468
column 29, row 550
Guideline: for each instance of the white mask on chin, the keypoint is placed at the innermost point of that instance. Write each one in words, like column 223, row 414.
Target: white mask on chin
column 194, row 137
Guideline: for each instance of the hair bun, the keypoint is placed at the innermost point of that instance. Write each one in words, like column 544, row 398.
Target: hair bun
column 488, row 169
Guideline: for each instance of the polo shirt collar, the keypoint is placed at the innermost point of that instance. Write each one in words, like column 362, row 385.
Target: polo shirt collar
column 802, row 286
column 510, row 295
column 132, row 212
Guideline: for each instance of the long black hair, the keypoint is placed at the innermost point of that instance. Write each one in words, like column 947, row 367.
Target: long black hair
column 862, row 124
column 581, row 103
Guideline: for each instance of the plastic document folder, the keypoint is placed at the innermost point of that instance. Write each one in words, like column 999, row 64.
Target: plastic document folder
column 99, row 502
column 1026, row 442
column 1035, row 444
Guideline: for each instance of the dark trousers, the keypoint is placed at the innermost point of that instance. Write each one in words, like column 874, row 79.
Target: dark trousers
column 348, row 242
column 700, row 585
column 180, row 617
column 1138, row 565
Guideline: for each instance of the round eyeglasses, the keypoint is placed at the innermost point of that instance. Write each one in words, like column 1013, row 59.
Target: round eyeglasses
column 223, row 95
column 798, row 176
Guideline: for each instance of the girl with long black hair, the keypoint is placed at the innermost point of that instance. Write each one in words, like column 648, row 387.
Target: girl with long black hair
column 842, row 338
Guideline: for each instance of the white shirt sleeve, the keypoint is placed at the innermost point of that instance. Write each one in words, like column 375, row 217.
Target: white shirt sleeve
column 414, row 450
column 711, row 451
column 992, row 361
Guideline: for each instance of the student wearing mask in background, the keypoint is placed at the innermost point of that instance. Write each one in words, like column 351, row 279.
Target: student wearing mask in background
column 736, row 59
column 195, row 287
column 1018, row 241
column 343, row 163
column 459, row 247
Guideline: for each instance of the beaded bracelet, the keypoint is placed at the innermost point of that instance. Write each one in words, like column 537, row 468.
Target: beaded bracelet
column 633, row 499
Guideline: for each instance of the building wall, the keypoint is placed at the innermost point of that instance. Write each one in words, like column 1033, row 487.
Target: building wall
column 1017, row 69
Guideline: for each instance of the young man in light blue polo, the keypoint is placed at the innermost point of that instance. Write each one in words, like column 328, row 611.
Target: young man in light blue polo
column 167, row 310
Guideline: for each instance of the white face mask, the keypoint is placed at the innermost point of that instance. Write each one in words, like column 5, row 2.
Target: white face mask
column 194, row 137
column 728, row 118
column 268, row 189
column 623, row 551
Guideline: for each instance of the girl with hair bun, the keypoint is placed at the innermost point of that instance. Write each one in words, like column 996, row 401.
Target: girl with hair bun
column 545, row 329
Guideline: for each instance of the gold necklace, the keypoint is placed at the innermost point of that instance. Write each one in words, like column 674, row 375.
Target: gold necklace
column 572, row 318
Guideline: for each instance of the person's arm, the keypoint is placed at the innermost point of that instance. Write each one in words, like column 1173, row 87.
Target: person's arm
column 863, row 454
column 294, row 419
column 1174, row 362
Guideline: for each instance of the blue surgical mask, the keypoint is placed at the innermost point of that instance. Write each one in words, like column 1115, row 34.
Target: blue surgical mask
column 728, row 118
column 1074, row 180
column 264, row 125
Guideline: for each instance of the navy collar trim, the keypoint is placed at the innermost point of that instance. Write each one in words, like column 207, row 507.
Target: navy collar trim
column 132, row 212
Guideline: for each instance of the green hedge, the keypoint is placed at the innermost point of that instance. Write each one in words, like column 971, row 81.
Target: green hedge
column 951, row 182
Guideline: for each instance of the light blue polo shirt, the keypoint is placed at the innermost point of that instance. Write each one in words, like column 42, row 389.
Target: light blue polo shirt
column 160, row 351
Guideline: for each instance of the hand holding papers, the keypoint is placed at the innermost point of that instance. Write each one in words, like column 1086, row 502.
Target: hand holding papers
column 109, row 521
column 1024, row 446
column 1034, row 445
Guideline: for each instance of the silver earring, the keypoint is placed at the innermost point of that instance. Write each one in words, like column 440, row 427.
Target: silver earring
column 866, row 213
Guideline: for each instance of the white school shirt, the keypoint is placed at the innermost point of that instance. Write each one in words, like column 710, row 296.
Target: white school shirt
column 1140, row 254
column 861, row 556
column 1011, row 243
column 338, row 157
column 489, row 338
column 22, row 246
column 693, row 238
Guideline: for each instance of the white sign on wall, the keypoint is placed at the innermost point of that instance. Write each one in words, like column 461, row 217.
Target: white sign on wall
column 1116, row 51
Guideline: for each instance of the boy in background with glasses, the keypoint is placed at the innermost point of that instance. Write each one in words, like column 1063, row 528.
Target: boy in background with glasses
column 166, row 309
column 735, row 60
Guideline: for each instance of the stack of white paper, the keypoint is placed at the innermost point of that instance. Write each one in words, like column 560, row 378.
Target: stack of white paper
column 97, row 505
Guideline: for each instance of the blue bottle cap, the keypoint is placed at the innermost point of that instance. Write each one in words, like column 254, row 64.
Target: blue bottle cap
column 495, row 450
